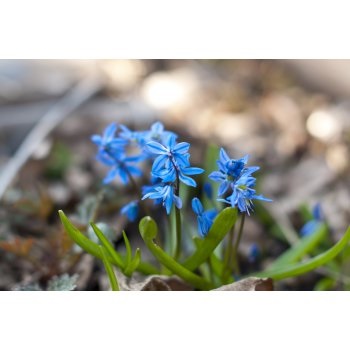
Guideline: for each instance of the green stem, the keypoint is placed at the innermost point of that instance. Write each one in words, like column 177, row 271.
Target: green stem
column 228, row 255
column 136, row 189
column 235, row 248
column 149, row 230
column 178, row 224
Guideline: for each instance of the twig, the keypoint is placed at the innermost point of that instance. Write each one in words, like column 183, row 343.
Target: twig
column 82, row 92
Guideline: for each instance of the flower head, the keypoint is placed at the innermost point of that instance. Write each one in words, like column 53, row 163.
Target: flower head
column 165, row 194
column 158, row 134
column 108, row 143
column 312, row 225
column 130, row 210
column 204, row 218
column 235, row 177
column 172, row 161
column 112, row 153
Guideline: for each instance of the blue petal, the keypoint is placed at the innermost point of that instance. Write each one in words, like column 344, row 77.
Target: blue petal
column 130, row 210
column 156, row 148
column 208, row 190
column 97, row 139
column 187, row 180
column 217, row 176
column 224, row 158
column 110, row 175
column 167, row 175
column 157, row 127
column 177, row 201
column 124, row 177
column 192, row 171
column 317, row 212
column 109, row 132
column 224, row 186
column 159, row 163
column 133, row 170
column 309, row 227
column 181, row 148
column 197, row 206
column 211, row 214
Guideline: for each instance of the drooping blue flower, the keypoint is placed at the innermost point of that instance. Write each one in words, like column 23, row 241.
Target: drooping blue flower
column 208, row 190
column 112, row 153
column 204, row 218
column 172, row 161
column 131, row 210
column 158, row 133
column 108, row 143
column 312, row 225
column 254, row 253
column 165, row 193
column 230, row 170
column 242, row 197
column 236, row 178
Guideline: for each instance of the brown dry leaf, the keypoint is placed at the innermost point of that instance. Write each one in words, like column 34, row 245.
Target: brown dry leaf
column 249, row 284
column 18, row 246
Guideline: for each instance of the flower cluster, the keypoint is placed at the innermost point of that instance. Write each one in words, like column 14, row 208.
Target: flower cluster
column 170, row 166
column 123, row 150
column 114, row 149
column 236, row 182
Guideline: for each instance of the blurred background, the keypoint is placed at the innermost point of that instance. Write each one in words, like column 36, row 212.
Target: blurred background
column 291, row 116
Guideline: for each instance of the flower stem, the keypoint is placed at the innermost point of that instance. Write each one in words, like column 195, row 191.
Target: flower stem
column 178, row 224
column 228, row 255
column 235, row 248
column 136, row 189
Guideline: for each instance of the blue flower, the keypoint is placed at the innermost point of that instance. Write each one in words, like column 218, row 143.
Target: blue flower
column 230, row 170
column 172, row 161
column 165, row 193
column 107, row 143
column 158, row 134
column 130, row 210
column 208, row 190
column 204, row 218
column 123, row 170
column 112, row 153
column 236, row 177
column 254, row 253
column 312, row 225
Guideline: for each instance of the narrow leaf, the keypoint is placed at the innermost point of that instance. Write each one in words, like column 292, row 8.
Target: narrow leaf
column 109, row 247
column 90, row 247
column 128, row 249
column 93, row 248
column 309, row 265
column 109, row 269
column 304, row 246
column 134, row 263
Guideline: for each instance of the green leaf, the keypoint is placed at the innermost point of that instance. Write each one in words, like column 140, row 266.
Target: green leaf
column 109, row 247
column 128, row 249
column 149, row 230
column 309, row 265
column 325, row 283
column 90, row 247
column 109, row 269
column 221, row 225
column 134, row 263
column 304, row 246
column 93, row 248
